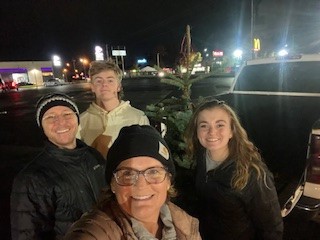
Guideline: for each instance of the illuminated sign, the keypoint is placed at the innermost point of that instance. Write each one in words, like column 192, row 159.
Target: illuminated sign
column 256, row 44
column 98, row 51
column 217, row 53
column 119, row 53
column 141, row 61
column 56, row 61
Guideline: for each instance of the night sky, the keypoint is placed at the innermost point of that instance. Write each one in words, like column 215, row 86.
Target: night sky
column 37, row 29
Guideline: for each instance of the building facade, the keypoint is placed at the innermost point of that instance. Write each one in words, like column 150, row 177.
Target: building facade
column 30, row 72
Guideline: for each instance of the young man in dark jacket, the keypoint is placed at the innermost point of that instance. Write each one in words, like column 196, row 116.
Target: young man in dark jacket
column 62, row 182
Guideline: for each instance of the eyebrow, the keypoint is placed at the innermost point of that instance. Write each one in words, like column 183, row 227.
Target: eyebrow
column 218, row 121
column 221, row 120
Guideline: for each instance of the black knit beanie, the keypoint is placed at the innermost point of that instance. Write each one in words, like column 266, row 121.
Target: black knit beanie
column 52, row 100
column 135, row 141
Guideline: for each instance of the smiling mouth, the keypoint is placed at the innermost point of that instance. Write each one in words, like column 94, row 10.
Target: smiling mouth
column 212, row 139
column 141, row 198
column 63, row 131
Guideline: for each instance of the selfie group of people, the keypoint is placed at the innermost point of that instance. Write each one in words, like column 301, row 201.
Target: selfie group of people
column 106, row 173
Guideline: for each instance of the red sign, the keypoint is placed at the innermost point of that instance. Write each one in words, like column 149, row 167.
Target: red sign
column 217, row 53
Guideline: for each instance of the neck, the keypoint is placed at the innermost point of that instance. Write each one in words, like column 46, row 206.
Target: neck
column 220, row 155
column 155, row 228
column 109, row 105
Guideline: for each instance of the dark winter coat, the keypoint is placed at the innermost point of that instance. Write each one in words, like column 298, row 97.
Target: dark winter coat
column 54, row 190
column 225, row 213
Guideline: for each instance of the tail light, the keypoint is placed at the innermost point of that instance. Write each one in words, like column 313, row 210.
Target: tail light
column 312, row 184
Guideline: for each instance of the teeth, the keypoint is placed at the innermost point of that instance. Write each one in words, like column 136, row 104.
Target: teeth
column 213, row 139
column 63, row 131
column 142, row 197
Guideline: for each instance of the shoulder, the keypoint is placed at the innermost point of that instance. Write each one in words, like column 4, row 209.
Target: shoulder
column 261, row 182
column 92, row 110
column 37, row 168
column 125, row 105
column 94, row 225
column 33, row 178
column 97, row 155
column 184, row 223
column 180, row 216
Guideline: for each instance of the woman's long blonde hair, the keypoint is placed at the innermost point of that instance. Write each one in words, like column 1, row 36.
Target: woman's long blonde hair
column 241, row 149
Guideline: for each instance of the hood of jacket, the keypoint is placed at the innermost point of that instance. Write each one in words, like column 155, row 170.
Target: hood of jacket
column 95, row 109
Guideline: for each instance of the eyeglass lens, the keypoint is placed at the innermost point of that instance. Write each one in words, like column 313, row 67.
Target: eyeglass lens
column 129, row 176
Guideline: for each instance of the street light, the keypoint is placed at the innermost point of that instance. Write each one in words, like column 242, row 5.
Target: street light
column 84, row 62
column 238, row 54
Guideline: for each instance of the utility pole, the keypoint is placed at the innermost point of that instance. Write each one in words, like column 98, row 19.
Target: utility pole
column 158, row 60
column 74, row 65
column 122, row 63
column 107, row 52
column 252, row 30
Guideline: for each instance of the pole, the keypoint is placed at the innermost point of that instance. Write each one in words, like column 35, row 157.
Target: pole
column 74, row 66
column 122, row 61
column 107, row 52
column 252, row 29
column 158, row 59
column 84, row 70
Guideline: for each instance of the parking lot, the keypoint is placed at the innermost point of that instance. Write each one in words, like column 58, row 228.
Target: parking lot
column 20, row 141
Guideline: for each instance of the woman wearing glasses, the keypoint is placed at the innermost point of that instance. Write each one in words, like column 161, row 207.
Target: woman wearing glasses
column 136, row 205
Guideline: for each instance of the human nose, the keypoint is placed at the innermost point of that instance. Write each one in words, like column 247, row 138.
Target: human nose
column 211, row 130
column 141, row 179
column 104, row 82
column 59, row 118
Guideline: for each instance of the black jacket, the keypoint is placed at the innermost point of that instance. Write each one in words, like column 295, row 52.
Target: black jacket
column 54, row 190
column 224, row 213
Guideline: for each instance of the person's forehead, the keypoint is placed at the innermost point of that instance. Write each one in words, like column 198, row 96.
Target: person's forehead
column 214, row 113
column 106, row 74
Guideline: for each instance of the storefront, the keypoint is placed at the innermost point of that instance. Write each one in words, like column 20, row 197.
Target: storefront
column 34, row 72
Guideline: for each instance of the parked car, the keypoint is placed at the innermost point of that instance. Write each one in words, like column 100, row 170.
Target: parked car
column 9, row 85
column 277, row 100
column 52, row 82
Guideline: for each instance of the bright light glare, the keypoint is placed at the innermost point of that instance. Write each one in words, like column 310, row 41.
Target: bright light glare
column 183, row 70
column 283, row 52
column 56, row 61
column 237, row 53
column 161, row 74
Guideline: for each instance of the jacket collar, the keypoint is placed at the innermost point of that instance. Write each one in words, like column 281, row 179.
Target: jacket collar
column 66, row 155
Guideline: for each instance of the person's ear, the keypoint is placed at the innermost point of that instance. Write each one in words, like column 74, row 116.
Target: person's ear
column 119, row 88
column 112, row 187
column 92, row 88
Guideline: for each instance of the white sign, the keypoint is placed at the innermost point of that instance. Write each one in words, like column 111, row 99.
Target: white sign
column 119, row 53
column 56, row 61
column 99, row 53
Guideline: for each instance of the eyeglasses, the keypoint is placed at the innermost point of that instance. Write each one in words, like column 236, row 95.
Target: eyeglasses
column 52, row 118
column 129, row 176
